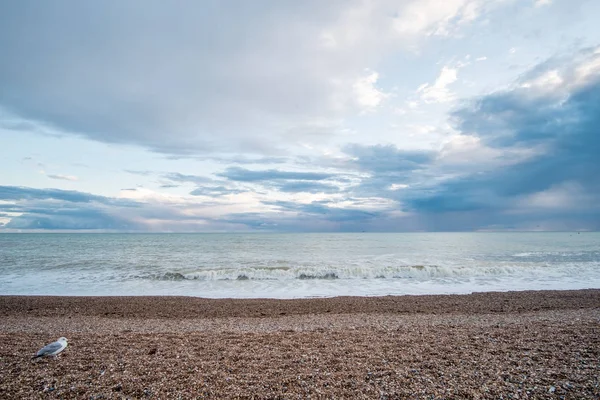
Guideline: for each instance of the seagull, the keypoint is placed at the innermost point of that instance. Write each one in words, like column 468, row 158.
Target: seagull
column 52, row 349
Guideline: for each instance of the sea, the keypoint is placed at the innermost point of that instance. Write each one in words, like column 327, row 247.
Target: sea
column 296, row 265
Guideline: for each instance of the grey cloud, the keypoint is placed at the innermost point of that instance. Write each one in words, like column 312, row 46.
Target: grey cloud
column 72, row 196
column 214, row 191
column 306, row 187
column 136, row 172
column 61, row 177
column 388, row 158
column 387, row 165
column 341, row 221
column 246, row 175
column 65, row 209
column 53, row 209
column 214, row 78
column 252, row 220
column 70, row 219
column 183, row 178
column 247, row 160
column 564, row 126
column 229, row 160
column 337, row 214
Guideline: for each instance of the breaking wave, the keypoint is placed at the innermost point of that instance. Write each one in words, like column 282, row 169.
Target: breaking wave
column 415, row 272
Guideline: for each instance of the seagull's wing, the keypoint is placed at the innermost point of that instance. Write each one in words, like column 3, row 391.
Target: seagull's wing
column 49, row 349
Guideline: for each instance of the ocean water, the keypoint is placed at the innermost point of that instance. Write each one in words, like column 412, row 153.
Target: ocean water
column 296, row 265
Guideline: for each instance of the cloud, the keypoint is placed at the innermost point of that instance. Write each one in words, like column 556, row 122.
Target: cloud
column 387, row 159
column 436, row 17
column 136, row 172
column 214, row 191
column 69, row 219
column 439, row 92
column 560, row 121
column 137, row 210
column 103, row 71
column 313, row 216
column 306, row 187
column 49, row 209
column 183, row 178
column 246, row 175
column 10, row 193
column 337, row 214
column 541, row 3
column 275, row 78
column 368, row 96
column 63, row 177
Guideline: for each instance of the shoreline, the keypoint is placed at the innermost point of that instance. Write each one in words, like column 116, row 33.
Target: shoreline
column 543, row 344
column 182, row 306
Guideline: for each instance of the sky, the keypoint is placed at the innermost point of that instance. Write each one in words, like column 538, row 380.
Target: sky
column 312, row 116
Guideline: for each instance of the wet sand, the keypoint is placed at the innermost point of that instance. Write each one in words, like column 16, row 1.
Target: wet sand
column 515, row 345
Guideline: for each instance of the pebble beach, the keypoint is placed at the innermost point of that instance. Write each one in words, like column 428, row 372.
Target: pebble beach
column 509, row 345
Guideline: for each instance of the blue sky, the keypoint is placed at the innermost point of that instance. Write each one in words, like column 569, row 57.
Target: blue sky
column 185, row 116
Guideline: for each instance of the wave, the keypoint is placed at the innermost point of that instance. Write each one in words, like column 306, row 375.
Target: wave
column 415, row 272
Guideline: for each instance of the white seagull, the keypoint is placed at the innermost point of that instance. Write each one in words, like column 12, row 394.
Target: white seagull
column 52, row 349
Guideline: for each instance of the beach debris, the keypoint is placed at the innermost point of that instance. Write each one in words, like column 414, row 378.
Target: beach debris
column 52, row 349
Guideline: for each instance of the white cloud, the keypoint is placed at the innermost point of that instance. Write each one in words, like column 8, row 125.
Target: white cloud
column 367, row 96
column 421, row 129
column 412, row 104
column 567, row 195
column 439, row 91
column 398, row 186
column 588, row 69
column 466, row 150
column 60, row 177
column 435, row 17
column 550, row 80
column 559, row 80
column 540, row 3
column 63, row 177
